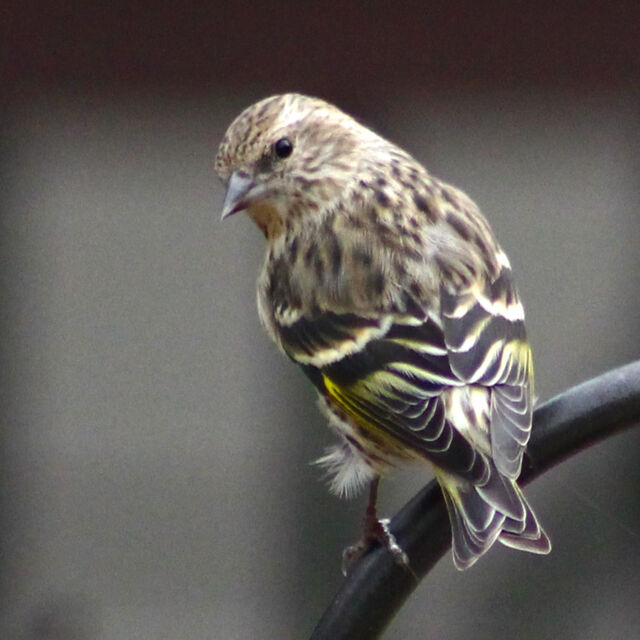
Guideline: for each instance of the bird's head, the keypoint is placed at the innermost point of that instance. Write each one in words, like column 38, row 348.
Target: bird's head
column 289, row 157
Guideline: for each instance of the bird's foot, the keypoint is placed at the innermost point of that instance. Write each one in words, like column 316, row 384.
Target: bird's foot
column 376, row 531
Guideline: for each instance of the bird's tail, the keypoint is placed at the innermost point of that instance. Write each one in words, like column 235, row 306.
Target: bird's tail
column 480, row 515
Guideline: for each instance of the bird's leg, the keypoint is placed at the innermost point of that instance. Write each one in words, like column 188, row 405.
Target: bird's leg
column 374, row 530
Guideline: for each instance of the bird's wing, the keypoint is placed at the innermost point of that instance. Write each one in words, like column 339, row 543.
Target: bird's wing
column 485, row 337
column 387, row 374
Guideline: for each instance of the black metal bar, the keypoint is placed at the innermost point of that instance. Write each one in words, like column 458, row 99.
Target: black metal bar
column 377, row 586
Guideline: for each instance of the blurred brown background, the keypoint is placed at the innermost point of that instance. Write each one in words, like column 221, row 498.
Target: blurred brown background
column 155, row 446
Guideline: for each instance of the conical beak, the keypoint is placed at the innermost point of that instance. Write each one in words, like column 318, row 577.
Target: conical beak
column 236, row 199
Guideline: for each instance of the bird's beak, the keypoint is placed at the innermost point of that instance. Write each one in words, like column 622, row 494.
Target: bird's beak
column 238, row 190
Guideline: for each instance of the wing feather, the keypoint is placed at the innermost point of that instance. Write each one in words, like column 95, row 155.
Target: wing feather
column 485, row 334
column 392, row 386
column 388, row 372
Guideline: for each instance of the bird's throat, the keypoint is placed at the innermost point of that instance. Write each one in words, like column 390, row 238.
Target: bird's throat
column 267, row 218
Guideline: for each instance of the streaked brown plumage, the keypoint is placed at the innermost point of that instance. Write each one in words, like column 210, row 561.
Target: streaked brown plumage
column 388, row 288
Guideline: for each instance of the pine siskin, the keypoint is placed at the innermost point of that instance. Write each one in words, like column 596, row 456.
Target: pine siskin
column 388, row 288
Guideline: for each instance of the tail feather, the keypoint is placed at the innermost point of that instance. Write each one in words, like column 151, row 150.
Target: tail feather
column 481, row 515
column 525, row 536
column 469, row 542
column 503, row 494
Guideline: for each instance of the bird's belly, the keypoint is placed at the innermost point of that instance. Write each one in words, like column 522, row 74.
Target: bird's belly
column 361, row 455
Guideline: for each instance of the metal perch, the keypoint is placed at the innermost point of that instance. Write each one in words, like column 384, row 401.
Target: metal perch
column 377, row 586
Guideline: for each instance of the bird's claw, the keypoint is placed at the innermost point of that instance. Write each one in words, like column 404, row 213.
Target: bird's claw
column 389, row 540
column 381, row 534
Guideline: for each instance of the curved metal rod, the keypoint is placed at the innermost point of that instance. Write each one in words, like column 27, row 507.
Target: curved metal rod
column 377, row 586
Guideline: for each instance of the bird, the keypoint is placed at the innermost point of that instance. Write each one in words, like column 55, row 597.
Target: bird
column 388, row 288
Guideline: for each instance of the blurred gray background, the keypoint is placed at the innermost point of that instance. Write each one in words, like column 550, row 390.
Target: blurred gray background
column 155, row 447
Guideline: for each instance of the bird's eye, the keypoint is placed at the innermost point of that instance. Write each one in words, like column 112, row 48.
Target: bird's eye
column 283, row 148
